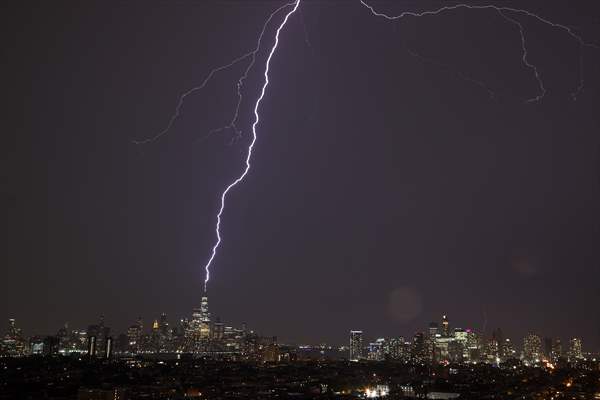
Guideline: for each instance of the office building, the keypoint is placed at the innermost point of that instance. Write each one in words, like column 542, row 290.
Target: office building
column 532, row 349
column 356, row 345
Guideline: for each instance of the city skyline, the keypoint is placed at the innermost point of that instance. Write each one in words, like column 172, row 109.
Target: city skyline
column 199, row 327
column 191, row 357
column 403, row 168
column 201, row 314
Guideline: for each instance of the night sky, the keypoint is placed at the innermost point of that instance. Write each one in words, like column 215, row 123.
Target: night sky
column 386, row 189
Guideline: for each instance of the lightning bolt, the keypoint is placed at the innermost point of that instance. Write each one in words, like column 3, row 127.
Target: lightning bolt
column 507, row 13
column 526, row 62
column 182, row 98
column 503, row 11
column 211, row 74
column 240, row 83
column 252, row 143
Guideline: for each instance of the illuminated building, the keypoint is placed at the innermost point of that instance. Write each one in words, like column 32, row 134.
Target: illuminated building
column 456, row 351
column 437, row 341
column 442, row 345
column 165, row 334
column 445, row 326
column 356, row 345
column 419, row 349
column 250, row 346
column 270, row 351
column 233, row 338
column 154, row 339
column 92, row 348
column 194, row 324
column 376, row 350
column 218, row 330
column 108, row 347
column 408, row 391
column 433, row 332
column 73, row 342
column 36, row 345
column 164, row 323
column 507, row 351
column 575, row 352
column 377, row 392
column 63, row 339
column 13, row 342
column 205, row 319
column 433, row 329
column 100, row 332
column 395, row 349
column 179, row 335
column 498, row 351
column 134, row 336
column 460, row 335
column 532, row 349
column 44, row 345
column 200, row 324
column 473, row 350
column 160, row 339
column 556, row 352
column 492, row 351
column 163, row 326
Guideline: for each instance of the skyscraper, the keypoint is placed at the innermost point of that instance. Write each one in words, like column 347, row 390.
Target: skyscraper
column 532, row 349
column 508, row 350
column 165, row 334
column 575, row 353
column 556, row 350
column 433, row 334
column 204, row 319
column 456, row 351
column 445, row 326
column 270, row 350
column 63, row 339
column 460, row 350
column 50, row 345
column 13, row 342
column 100, row 332
column 394, row 349
column 356, row 345
column 155, row 337
column 491, row 351
column 434, row 329
column 92, row 349
column 134, row 336
column 377, row 350
column 473, row 346
column 199, row 329
column 419, row 349
column 200, row 323
column 218, row 331
column 108, row 347
column 548, row 347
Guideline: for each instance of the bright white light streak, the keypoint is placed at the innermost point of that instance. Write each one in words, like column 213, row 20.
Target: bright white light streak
column 240, row 83
column 250, row 147
column 503, row 13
